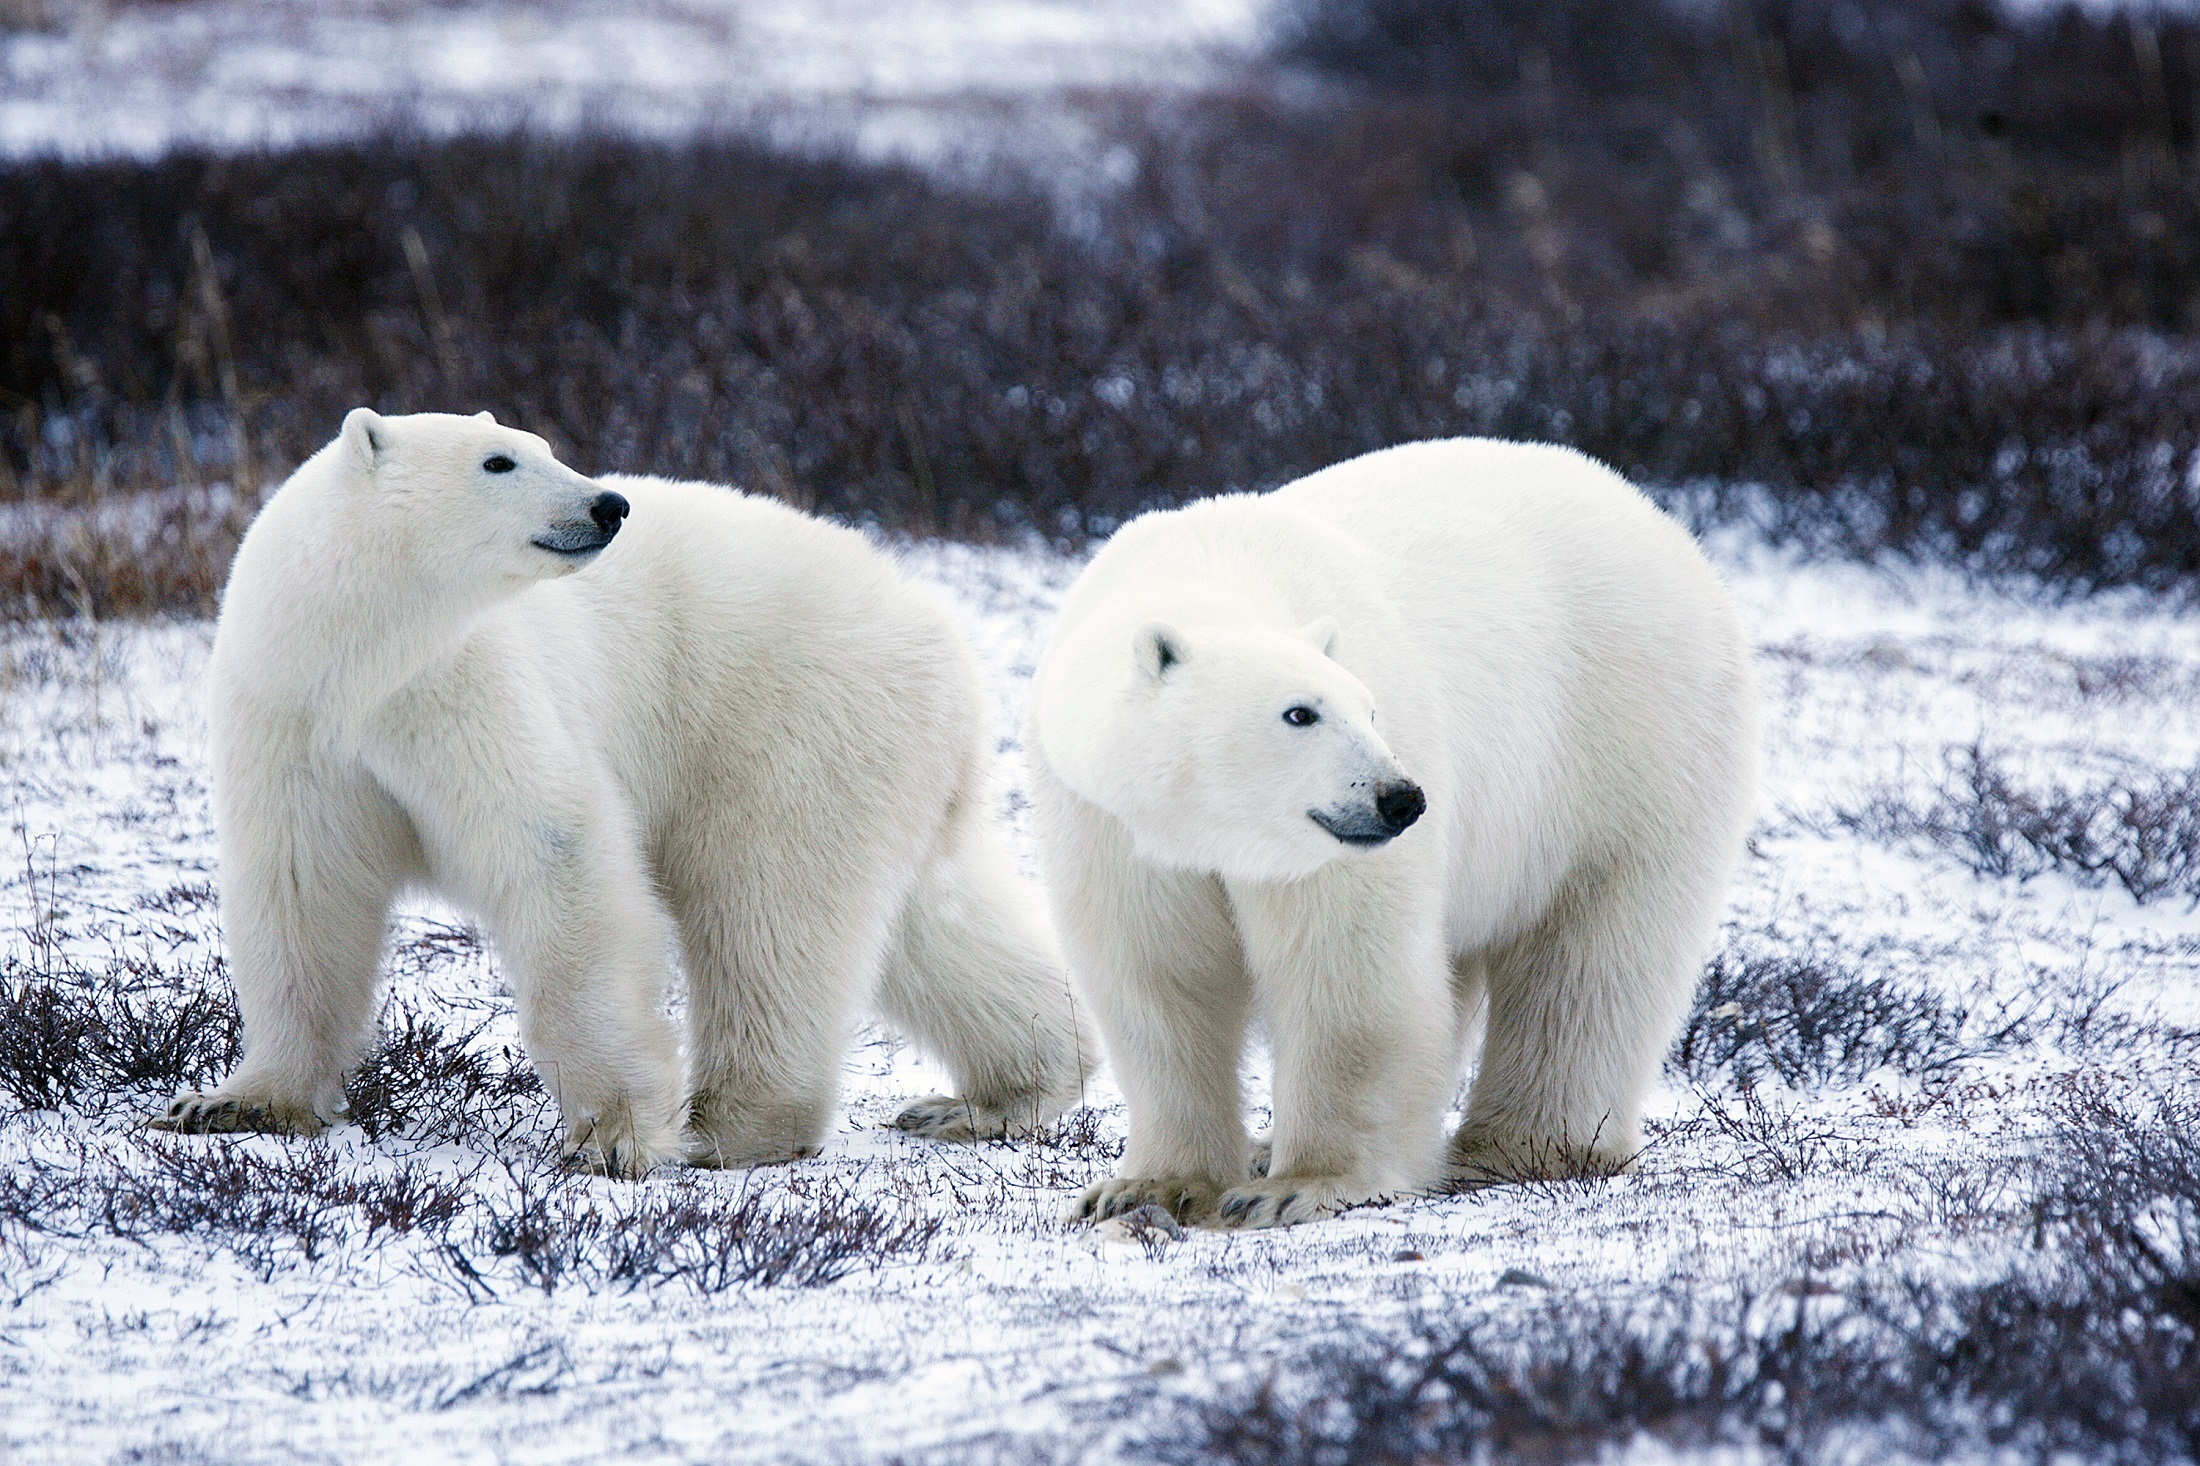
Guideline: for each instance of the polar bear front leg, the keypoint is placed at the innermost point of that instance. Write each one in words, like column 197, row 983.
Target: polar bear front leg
column 1348, row 968
column 584, row 941
column 1156, row 957
column 540, row 844
column 585, row 955
column 310, row 859
column 1171, row 1014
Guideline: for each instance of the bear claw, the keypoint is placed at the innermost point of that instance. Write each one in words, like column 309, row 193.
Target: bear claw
column 210, row 1114
column 1189, row 1199
column 1280, row 1202
column 950, row 1117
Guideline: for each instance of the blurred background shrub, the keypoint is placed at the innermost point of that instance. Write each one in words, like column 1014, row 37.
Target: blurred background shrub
column 1882, row 276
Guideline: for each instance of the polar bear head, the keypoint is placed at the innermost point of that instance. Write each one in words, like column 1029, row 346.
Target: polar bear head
column 473, row 503
column 1244, row 750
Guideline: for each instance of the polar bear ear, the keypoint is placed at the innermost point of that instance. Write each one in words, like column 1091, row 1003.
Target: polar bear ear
column 487, row 417
column 367, row 436
column 1160, row 647
column 1321, row 633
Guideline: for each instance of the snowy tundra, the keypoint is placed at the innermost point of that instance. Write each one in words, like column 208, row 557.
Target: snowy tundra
column 1561, row 682
column 738, row 722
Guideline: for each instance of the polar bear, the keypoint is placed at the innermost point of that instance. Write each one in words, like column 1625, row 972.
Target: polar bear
column 1455, row 735
column 724, row 730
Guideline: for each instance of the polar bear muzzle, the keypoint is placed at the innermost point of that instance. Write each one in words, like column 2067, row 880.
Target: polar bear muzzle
column 605, row 513
column 1395, row 808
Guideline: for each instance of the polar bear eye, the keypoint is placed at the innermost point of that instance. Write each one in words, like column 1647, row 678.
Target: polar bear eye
column 498, row 463
column 1301, row 716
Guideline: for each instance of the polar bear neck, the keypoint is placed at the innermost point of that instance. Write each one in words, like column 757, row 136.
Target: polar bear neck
column 1074, row 724
column 356, row 617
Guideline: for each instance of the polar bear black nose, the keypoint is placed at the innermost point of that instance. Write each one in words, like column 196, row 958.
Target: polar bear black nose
column 1399, row 805
column 607, row 510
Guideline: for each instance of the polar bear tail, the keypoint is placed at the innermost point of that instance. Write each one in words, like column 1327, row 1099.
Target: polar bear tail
column 975, row 978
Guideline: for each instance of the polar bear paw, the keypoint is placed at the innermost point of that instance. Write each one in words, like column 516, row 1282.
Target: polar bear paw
column 713, row 1153
column 1187, row 1198
column 1282, row 1201
column 614, row 1143
column 194, row 1113
column 730, row 1131
column 1481, row 1161
column 951, row 1117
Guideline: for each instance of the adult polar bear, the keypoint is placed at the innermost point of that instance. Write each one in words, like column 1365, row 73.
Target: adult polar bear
column 738, row 713
column 1225, row 826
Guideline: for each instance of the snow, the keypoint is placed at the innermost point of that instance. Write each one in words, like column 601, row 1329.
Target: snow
column 926, row 79
column 1014, row 1335
column 1011, row 1335
column 922, row 78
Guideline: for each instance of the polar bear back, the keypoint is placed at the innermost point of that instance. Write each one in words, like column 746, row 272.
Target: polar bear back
column 1589, row 663
column 783, row 660
column 1527, row 558
column 1551, row 656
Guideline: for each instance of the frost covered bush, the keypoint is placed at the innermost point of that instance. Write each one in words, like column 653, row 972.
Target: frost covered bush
column 427, row 1080
column 1809, row 1015
column 2139, row 829
column 549, row 1231
column 1908, row 277
column 277, row 1206
column 2087, row 1349
column 271, row 1207
column 72, row 1036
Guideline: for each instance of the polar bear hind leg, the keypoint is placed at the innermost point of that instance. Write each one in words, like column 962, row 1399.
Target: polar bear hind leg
column 972, row 975
column 1580, row 1010
column 783, row 937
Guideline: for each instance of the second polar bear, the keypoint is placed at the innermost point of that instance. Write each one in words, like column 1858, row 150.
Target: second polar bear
column 739, row 735
column 1458, row 730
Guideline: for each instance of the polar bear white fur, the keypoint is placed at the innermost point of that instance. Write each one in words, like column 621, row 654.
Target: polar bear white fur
column 1239, row 717
column 738, row 735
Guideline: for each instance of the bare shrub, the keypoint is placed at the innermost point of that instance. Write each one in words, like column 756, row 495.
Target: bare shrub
column 1921, row 159
column 1775, row 1143
column 1887, row 278
column 425, row 1079
column 2096, row 1349
column 2140, row 830
column 2088, row 1350
column 282, row 1205
column 271, row 1210
column 1807, row 1015
column 69, row 1036
column 1563, row 1385
column 550, row 1231
column 132, row 548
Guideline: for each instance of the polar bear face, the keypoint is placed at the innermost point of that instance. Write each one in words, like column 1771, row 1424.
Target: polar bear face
column 477, row 504
column 1248, row 752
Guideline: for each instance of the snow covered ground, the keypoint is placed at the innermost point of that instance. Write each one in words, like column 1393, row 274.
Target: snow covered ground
column 1911, row 995
column 393, row 1297
column 921, row 78
column 918, row 78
